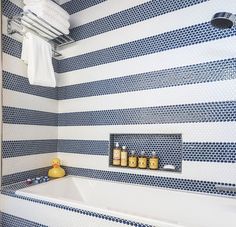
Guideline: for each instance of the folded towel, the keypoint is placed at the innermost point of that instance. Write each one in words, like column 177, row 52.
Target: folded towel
column 52, row 14
column 37, row 53
column 50, row 5
column 52, row 20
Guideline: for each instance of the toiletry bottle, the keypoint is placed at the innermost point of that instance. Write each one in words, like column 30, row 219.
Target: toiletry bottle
column 116, row 154
column 124, row 157
column 153, row 161
column 133, row 160
column 142, row 161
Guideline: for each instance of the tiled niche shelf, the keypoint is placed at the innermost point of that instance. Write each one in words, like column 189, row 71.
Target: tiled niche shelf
column 167, row 146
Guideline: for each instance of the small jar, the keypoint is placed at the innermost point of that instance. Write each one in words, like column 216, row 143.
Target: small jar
column 133, row 160
column 153, row 161
column 142, row 161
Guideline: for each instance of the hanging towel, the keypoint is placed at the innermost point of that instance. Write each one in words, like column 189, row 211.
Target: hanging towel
column 50, row 5
column 37, row 53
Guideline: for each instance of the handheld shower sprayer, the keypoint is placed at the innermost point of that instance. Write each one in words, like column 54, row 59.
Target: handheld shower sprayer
column 223, row 20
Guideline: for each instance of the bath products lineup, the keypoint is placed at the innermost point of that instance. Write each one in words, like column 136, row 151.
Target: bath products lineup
column 123, row 159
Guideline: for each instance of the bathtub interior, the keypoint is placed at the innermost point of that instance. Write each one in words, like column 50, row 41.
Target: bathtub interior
column 154, row 205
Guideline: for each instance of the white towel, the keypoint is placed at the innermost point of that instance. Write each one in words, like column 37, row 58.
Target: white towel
column 37, row 53
column 53, row 20
column 50, row 5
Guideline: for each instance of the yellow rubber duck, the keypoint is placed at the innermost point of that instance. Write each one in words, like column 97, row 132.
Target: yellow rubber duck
column 56, row 171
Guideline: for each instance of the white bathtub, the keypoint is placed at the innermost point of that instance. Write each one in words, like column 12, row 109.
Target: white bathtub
column 147, row 205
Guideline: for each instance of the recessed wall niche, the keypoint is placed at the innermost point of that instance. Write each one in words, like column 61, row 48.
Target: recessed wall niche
column 168, row 147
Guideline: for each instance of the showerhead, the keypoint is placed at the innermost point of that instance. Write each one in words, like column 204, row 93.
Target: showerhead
column 223, row 20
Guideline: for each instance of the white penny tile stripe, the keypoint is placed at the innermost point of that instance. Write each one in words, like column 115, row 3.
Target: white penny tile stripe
column 189, row 55
column 25, row 163
column 28, row 132
column 205, row 171
column 20, row 68
column 198, row 13
column 27, row 101
column 101, row 10
column 210, row 92
column 191, row 132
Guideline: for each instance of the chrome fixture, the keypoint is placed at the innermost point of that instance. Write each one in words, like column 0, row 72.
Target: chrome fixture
column 223, row 20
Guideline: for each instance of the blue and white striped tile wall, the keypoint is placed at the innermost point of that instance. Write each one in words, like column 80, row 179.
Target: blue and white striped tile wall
column 132, row 69
column 149, row 67
column 29, row 112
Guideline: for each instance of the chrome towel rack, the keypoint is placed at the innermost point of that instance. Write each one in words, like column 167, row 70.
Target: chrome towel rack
column 32, row 22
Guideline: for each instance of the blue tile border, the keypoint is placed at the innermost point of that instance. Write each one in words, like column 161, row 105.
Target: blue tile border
column 27, row 147
column 187, row 113
column 22, row 176
column 12, row 115
column 74, row 6
column 130, row 16
column 194, row 34
column 210, row 152
column 191, row 74
column 21, row 84
column 9, row 220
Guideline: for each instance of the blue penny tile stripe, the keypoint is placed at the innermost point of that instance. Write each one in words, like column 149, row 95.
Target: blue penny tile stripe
column 192, row 74
column 202, row 151
column 10, row 9
column 11, row 46
column 22, row 176
column 77, row 210
column 55, row 63
column 194, row 34
column 12, row 115
column 9, row 220
column 200, row 112
column 75, row 6
column 91, row 147
column 162, row 182
column 130, row 16
column 21, row 84
column 210, row 152
column 27, row 147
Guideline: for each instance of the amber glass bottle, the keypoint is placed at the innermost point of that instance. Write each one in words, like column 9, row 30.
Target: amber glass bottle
column 153, row 161
column 133, row 160
column 142, row 161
